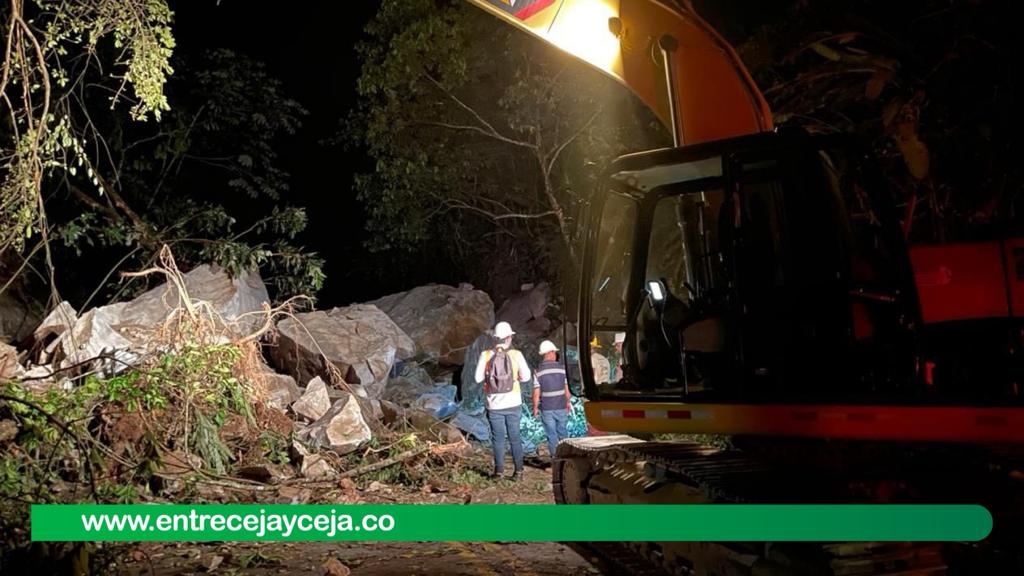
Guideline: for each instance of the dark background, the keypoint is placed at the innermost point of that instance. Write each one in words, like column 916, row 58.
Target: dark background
column 310, row 47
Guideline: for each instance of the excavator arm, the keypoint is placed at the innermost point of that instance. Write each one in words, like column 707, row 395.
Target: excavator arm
column 664, row 52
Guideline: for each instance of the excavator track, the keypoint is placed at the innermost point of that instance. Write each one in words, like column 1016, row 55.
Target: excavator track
column 624, row 470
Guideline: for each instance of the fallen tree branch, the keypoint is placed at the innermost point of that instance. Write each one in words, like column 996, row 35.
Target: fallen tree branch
column 407, row 455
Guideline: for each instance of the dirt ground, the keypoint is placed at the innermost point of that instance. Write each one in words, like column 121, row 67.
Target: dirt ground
column 373, row 558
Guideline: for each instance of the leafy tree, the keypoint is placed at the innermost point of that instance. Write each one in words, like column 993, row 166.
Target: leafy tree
column 481, row 138
column 121, row 181
column 207, row 178
column 929, row 85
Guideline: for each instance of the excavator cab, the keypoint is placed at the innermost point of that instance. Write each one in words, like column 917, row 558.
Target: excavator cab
column 763, row 268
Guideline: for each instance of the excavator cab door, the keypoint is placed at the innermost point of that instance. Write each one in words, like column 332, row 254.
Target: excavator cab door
column 757, row 268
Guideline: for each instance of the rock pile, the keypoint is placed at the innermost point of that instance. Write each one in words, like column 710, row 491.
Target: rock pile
column 337, row 377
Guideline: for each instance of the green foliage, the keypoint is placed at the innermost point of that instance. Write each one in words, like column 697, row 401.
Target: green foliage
column 140, row 31
column 40, row 70
column 480, row 137
column 140, row 185
column 274, row 447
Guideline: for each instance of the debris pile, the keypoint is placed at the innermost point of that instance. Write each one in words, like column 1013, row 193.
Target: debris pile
column 200, row 389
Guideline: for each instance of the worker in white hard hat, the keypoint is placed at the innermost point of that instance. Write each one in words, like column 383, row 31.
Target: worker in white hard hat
column 551, row 396
column 615, row 357
column 502, row 370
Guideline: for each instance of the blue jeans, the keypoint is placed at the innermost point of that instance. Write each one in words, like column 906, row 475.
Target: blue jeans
column 554, row 426
column 502, row 422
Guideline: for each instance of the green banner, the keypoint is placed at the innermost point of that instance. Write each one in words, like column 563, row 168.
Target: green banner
column 257, row 522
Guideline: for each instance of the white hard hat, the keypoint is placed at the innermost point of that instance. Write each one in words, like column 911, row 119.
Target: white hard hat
column 620, row 337
column 502, row 330
column 547, row 346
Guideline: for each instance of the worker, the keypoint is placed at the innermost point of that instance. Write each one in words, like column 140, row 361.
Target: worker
column 602, row 369
column 502, row 370
column 615, row 357
column 551, row 396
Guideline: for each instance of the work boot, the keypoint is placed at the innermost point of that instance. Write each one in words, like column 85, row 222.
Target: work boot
column 496, row 475
column 516, row 476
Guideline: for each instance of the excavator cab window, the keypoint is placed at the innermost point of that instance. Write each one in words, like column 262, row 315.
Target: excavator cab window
column 755, row 269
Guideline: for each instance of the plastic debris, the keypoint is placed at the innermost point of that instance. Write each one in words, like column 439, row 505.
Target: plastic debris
column 473, row 424
column 472, row 392
column 532, row 429
column 440, row 401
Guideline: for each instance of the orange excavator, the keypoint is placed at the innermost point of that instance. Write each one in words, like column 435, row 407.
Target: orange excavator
column 767, row 294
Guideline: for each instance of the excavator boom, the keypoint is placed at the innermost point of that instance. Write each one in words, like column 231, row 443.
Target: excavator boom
column 662, row 51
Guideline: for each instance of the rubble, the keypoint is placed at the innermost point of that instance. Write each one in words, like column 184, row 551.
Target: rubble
column 9, row 366
column 378, row 371
column 441, row 320
column 278, row 390
column 314, row 402
column 341, row 429
column 360, row 341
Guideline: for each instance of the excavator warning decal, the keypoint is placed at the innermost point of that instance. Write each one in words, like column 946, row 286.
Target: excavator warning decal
column 522, row 9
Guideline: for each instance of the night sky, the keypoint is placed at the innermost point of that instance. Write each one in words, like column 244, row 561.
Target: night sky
column 310, row 47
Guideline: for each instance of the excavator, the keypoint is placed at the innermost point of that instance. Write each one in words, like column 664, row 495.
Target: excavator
column 767, row 294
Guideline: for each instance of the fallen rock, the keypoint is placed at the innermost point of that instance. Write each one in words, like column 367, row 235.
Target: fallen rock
column 97, row 332
column 315, row 402
column 9, row 366
column 311, row 466
column 333, row 567
column 234, row 299
column 404, row 392
column 436, row 430
column 279, row 390
column 491, row 495
column 526, row 311
column 125, row 329
column 359, row 340
column 314, row 467
column 441, row 320
column 413, row 371
column 391, row 413
column 341, row 429
column 46, row 336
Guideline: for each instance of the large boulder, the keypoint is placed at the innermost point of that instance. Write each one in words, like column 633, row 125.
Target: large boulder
column 125, row 329
column 359, row 340
column 342, row 429
column 442, row 320
column 233, row 299
column 527, row 313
